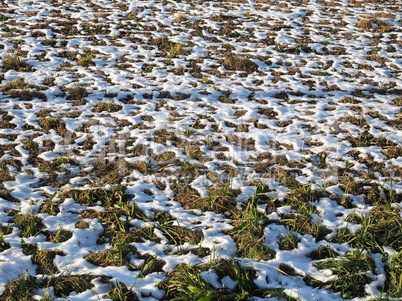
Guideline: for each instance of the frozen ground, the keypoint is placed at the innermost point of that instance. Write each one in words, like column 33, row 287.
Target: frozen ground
column 159, row 106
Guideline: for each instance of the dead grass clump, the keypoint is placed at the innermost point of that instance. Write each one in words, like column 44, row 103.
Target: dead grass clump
column 63, row 285
column 107, row 106
column 131, row 16
column 5, row 119
column 356, row 120
column 178, row 235
column 20, row 288
column 77, row 93
column 58, row 236
column 379, row 25
column 397, row 123
column 136, row 235
column 9, row 149
column 117, row 256
column 225, row 98
column 391, row 149
column 121, row 292
column 268, row 112
column 43, row 259
column 398, row 101
column 185, row 195
column 165, row 159
column 82, row 225
column 284, row 123
column 12, row 62
column 246, row 143
column 18, row 88
column 53, row 123
column 25, row 95
column 234, row 62
column 179, row 19
column 219, row 199
column 15, row 84
column 110, row 172
column 350, row 99
column 163, row 136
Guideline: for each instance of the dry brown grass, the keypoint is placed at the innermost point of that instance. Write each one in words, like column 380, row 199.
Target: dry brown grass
column 367, row 24
column 234, row 62
column 16, row 63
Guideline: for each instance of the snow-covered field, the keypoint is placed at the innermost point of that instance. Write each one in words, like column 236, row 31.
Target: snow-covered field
column 261, row 134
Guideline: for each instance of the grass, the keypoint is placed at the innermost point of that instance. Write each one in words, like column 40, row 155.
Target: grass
column 186, row 283
column 351, row 277
column 367, row 24
column 248, row 227
column 3, row 18
column 234, row 62
column 288, row 241
column 381, row 227
column 20, row 288
column 185, row 92
column 86, row 61
column 53, row 123
column 393, row 270
column 107, row 106
column 18, row 88
column 14, row 62
column 77, row 93
column 15, row 84
column 43, row 259
column 163, row 136
column 117, row 256
column 219, row 199
column 178, row 235
column 120, row 292
column 63, row 285
column 58, row 236
column 108, row 198
column 29, row 224
column 49, row 42
column 4, row 231
column 268, row 112
column 170, row 49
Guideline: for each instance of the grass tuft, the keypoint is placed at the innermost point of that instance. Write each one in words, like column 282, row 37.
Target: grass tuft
column 86, row 61
column 234, row 62
column 11, row 62
column 351, row 273
column 20, row 288
column 120, row 292
column 248, row 227
column 393, row 271
column 29, row 224
column 43, row 259
column 186, row 283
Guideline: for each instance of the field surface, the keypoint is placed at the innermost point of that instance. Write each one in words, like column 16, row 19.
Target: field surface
column 201, row 150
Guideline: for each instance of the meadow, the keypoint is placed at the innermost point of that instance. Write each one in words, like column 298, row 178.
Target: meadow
column 201, row 150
